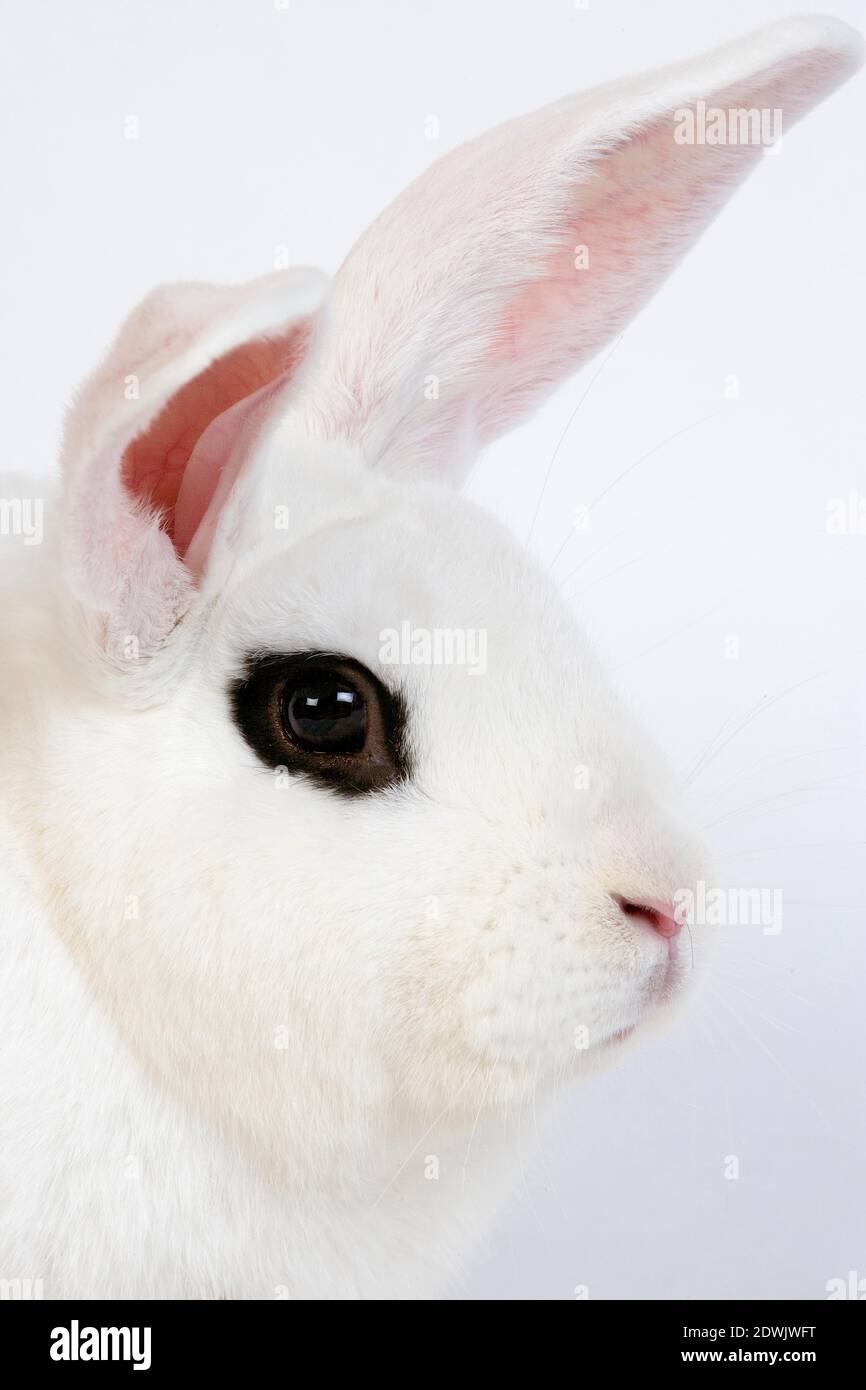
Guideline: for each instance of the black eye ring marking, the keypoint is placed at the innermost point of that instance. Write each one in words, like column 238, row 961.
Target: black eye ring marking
column 323, row 716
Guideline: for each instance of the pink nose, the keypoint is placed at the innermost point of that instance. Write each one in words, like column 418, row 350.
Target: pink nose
column 660, row 916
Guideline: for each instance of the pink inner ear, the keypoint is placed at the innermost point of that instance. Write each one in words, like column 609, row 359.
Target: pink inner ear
column 177, row 464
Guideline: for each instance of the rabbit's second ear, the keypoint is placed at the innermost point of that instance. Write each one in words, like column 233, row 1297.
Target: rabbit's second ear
column 511, row 261
column 152, row 442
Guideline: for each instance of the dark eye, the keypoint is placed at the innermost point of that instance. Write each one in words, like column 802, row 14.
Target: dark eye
column 325, row 716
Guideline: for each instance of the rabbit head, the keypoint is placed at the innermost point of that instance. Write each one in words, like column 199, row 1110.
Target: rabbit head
column 344, row 820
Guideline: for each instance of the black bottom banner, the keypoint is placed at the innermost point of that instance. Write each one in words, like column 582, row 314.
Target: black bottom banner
column 166, row 1339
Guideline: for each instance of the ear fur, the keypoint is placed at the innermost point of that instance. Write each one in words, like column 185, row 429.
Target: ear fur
column 514, row 259
column 150, row 437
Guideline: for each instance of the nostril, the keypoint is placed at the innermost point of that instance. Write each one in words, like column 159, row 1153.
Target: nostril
column 660, row 916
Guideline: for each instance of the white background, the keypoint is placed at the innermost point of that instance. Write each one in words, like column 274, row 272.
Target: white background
column 263, row 127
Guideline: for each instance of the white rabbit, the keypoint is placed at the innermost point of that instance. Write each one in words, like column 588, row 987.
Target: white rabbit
column 289, row 924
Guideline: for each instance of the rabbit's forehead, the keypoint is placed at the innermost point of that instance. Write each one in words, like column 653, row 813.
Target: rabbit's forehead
column 427, row 580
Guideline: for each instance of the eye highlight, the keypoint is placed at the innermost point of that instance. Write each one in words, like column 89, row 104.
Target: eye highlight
column 324, row 716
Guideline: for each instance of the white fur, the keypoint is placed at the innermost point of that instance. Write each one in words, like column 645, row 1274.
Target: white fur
column 252, row 1029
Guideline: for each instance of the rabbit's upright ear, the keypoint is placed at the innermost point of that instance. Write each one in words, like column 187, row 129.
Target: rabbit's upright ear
column 511, row 261
column 154, row 439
